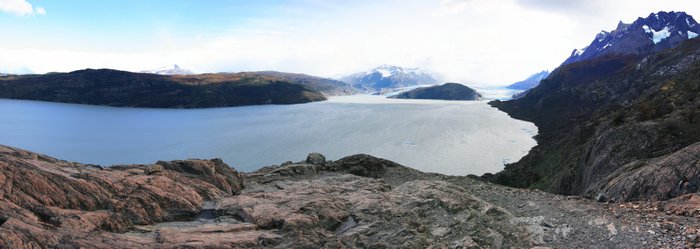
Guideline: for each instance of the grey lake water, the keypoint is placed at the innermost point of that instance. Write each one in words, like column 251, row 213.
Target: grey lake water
column 450, row 137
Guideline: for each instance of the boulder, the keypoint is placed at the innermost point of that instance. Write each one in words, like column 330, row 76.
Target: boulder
column 363, row 165
column 316, row 159
column 214, row 171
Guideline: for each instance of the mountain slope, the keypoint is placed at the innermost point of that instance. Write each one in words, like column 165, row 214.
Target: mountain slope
column 657, row 32
column 119, row 88
column 530, row 82
column 447, row 91
column 328, row 87
column 387, row 77
column 613, row 126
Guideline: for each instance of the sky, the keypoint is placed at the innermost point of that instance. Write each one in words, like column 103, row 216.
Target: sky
column 469, row 41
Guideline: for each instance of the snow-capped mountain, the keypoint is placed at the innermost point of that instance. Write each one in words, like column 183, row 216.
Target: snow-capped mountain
column 530, row 82
column 169, row 70
column 659, row 31
column 388, row 76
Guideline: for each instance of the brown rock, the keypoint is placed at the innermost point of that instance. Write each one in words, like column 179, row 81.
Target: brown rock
column 46, row 202
column 214, row 171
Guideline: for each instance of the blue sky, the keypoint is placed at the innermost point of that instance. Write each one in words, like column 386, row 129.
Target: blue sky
column 471, row 41
column 128, row 24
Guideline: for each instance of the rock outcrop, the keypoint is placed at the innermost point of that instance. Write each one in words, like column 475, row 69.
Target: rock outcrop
column 48, row 202
column 658, row 178
column 358, row 201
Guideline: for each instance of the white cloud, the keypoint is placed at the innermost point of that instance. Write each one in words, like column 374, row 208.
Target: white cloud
column 470, row 41
column 453, row 6
column 20, row 8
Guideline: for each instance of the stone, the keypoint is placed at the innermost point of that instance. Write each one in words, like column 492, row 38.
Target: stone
column 316, row 159
column 213, row 171
column 439, row 231
column 601, row 197
column 152, row 169
column 363, row 165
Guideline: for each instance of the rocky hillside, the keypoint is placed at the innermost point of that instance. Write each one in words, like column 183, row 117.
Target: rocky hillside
column 328, row 87
column 389, row 77
column 126, row 89
column 356, row 202
column 447, row 91
column 618, row 127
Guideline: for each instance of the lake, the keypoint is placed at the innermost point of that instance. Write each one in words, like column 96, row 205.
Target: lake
column 449, row 137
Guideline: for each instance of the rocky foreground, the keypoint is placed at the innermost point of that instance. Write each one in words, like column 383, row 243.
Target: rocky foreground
column 356, row 202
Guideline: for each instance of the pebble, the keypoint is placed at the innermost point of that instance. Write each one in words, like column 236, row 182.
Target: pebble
column 546, row 224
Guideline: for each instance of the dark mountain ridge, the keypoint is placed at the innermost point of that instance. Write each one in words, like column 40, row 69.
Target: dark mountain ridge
column 126, row 89
column 617, row 126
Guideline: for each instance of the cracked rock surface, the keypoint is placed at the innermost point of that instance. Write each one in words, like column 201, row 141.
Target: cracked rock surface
column 356, row 202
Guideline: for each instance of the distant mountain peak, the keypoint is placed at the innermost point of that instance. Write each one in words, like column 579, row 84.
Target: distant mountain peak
column 658, row 31
column 15, row 71
column 530, row 82
column 390, row 76
column 172, row 69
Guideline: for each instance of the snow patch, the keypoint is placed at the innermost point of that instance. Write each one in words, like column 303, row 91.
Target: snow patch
column 606, row 46
column 601, row 36
column 657, row 36
column 578, row 52
column 692, row 34
column 688, row 22
column 173, row 69
column 385, row 73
